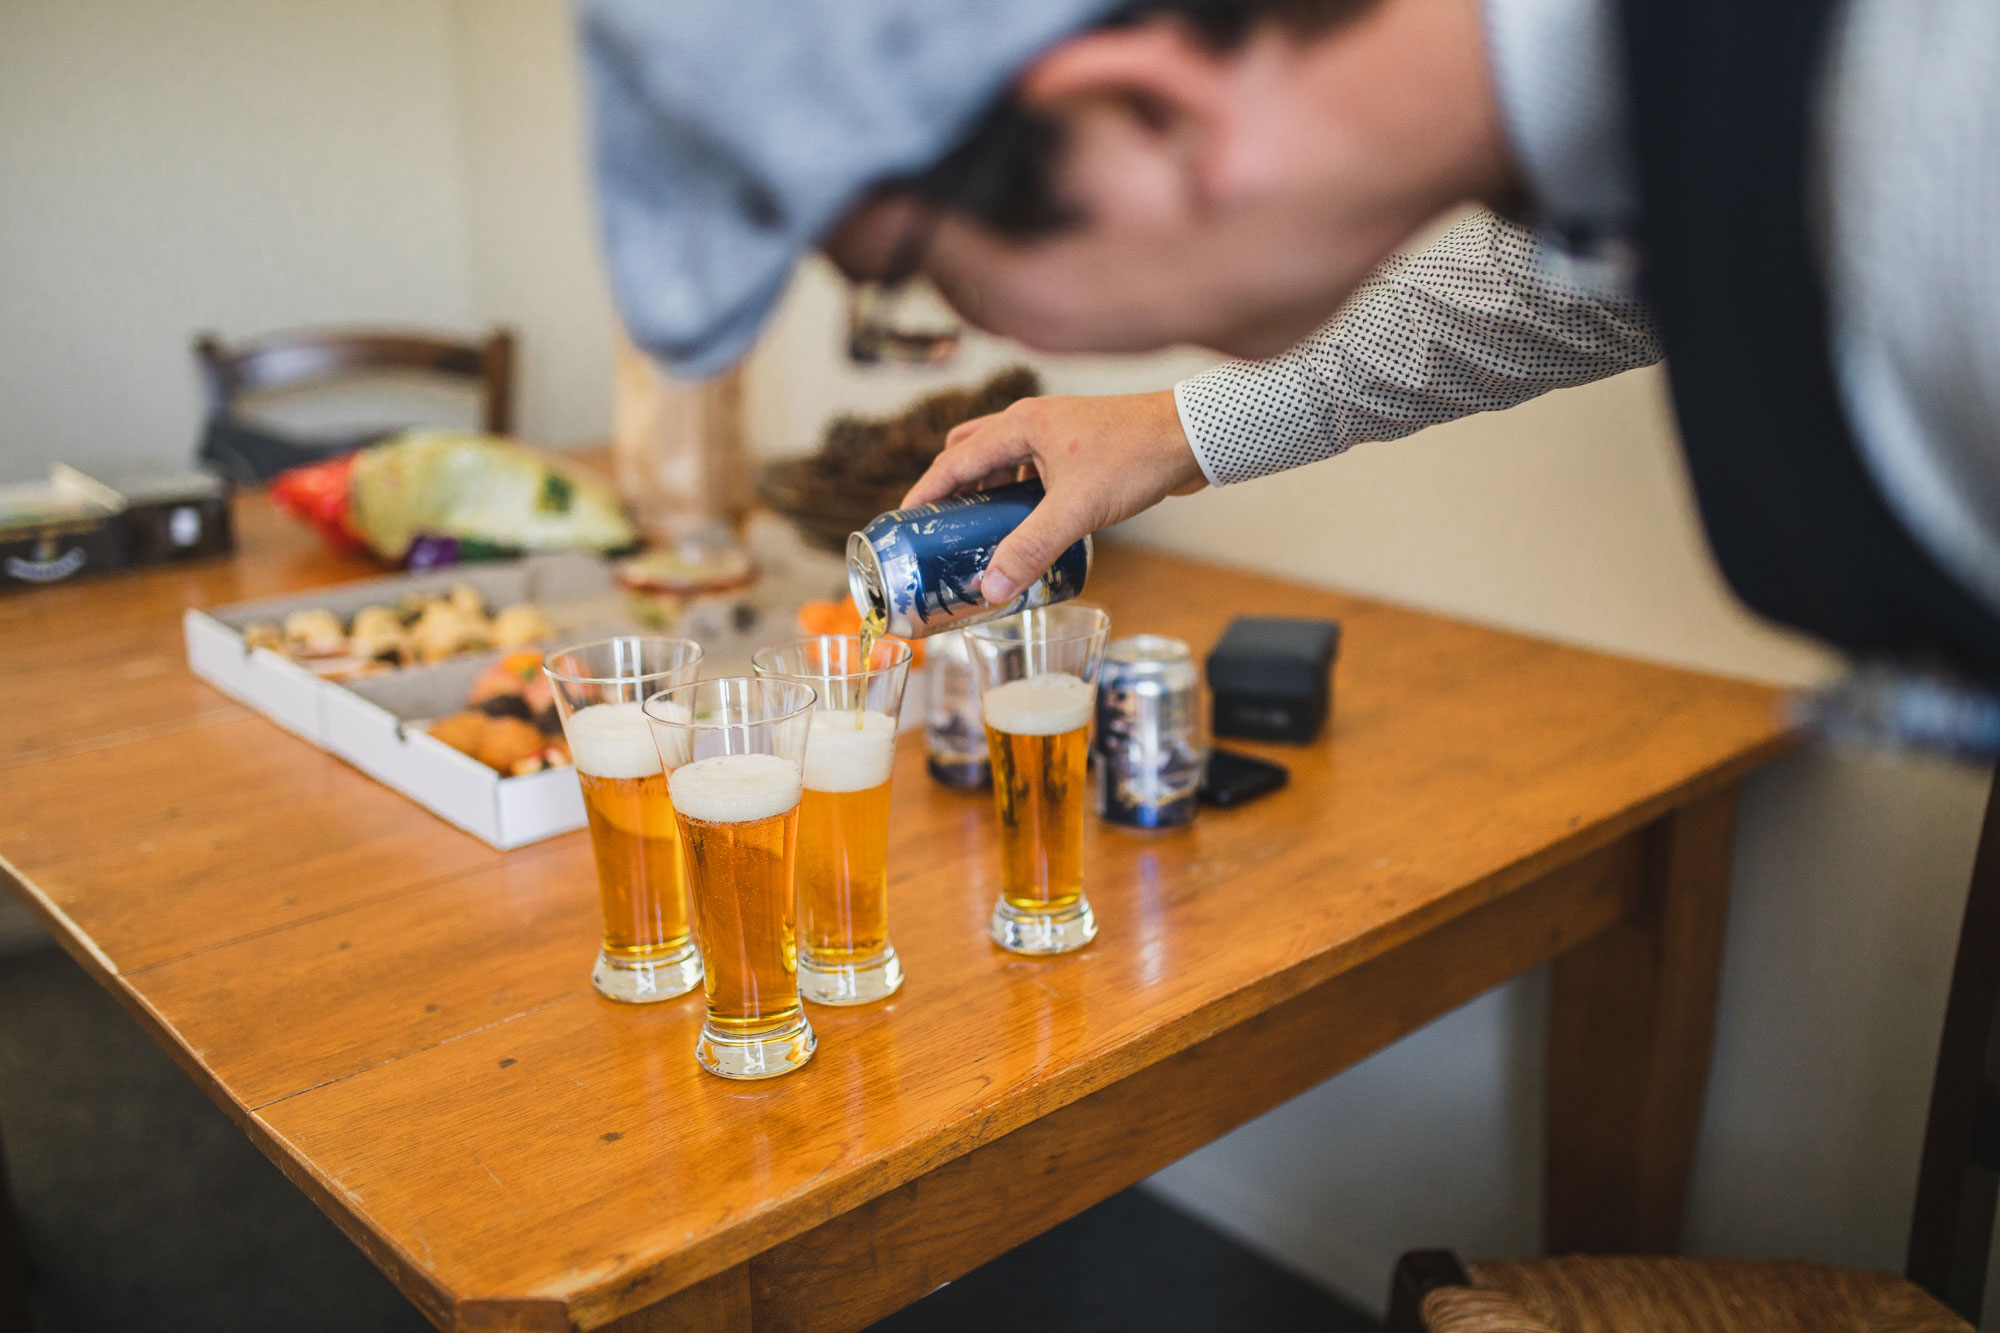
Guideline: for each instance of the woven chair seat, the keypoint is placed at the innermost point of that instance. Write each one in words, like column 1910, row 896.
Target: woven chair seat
column 1582, row 1294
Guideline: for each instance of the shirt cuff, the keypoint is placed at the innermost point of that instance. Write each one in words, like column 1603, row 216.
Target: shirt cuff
column 1194, row 436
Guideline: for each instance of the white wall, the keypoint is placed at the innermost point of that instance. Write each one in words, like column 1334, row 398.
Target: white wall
column 533, row 234
column 173, row 166
column 250, row 165
column 237, row 165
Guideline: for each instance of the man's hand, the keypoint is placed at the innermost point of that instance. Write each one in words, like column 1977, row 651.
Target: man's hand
column 1101, row 460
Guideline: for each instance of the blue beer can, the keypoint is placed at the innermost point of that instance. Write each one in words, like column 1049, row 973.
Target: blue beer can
column 1148, row 742
column 919, row 568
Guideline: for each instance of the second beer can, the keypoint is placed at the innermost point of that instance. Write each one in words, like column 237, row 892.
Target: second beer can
column 919, row 568
column 1148, row 732
column 954, row 731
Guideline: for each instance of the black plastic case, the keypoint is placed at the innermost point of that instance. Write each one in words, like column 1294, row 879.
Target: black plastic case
column 98, row 520
column 1272, row 677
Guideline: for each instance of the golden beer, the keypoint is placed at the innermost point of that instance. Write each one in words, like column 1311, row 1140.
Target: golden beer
column 639, row 874
column 640, row 880
column 739, row 819
column 1038, row 738
column 874, row 623
column 1037, row 691
column 844, row 838
column 845, row 956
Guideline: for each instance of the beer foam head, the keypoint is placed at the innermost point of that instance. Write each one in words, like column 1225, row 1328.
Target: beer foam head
column 612, row 741
column 735, row 788
column 1045, row 705
column 843, row 757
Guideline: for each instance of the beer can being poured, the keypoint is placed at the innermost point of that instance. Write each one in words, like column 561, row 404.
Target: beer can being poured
column 916, row 571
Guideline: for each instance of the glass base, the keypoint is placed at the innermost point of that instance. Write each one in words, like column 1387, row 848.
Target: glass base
column 767, row 1056
column 850, row 983
column 1043, row 932
column 649, row 982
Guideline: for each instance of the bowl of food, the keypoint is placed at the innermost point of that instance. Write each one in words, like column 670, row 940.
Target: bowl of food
column 866, row 464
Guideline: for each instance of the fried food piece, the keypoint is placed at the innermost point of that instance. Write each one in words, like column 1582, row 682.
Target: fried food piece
column 518, row 625
column 414, row 604
column 508, row 741
column 378, row 634
column 315, row 632
column 507, row 676
column 465, row 599
column 264, row 634
column 509, row 745
column 445, row 631
column 373, row 620
column 463, row 732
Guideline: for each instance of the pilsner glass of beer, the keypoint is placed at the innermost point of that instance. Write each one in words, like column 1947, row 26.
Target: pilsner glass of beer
column 649, row 949
column 1037, row 675
column 734, row 752
column 844, row 952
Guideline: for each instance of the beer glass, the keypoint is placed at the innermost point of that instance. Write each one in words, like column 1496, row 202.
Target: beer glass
column 844, row 952
column 649, row 950
column 1037, row 675
column 733, row 751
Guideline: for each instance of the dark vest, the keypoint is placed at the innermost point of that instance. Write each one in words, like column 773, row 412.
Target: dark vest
column 1723, row 110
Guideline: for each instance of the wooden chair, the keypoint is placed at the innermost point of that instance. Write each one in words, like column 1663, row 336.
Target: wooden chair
column 1950, row 1236
column 251, row 452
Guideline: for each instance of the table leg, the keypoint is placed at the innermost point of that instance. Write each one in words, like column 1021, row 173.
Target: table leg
column 13, row 1257
column 1631, row 1023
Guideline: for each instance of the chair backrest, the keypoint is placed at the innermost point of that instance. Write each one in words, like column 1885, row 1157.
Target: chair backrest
column 287, row 360
column 1958, row 1184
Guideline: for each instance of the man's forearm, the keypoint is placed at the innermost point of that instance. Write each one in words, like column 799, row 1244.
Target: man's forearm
column 1478, row 321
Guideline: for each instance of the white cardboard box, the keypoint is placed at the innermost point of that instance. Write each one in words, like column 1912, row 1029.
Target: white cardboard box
column 375, row 723
column 366, row 722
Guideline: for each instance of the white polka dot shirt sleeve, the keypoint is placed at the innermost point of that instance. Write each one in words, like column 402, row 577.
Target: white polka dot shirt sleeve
column 1488, row 316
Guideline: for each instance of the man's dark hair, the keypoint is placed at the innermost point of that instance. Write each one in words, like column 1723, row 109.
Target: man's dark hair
column 1003, row 173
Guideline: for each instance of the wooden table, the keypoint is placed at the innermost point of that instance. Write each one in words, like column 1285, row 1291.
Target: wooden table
column 401, row 1017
